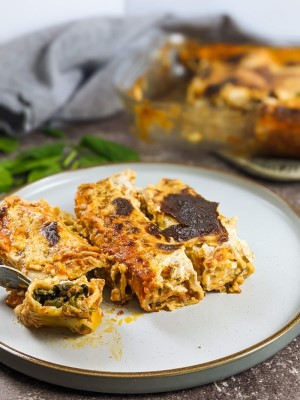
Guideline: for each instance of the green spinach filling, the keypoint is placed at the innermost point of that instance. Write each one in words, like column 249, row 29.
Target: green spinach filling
column 61, row 294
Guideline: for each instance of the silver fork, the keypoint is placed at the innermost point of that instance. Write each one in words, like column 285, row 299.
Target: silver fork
column 11, row 278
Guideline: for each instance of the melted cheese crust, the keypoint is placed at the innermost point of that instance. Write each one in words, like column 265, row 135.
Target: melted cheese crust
column 221, row 265
column 142, row 262
column 35, row 239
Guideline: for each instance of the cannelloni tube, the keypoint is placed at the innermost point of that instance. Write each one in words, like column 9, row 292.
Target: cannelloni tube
column 70, row 304
column 221, row 259
column 141, row 261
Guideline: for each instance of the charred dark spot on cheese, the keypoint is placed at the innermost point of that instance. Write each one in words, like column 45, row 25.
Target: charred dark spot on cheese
column 153, row 230
column 168, row 247
column 50, row 231
column 3, row 211
column 123, row 206
column 118, row 227
column 197, row 217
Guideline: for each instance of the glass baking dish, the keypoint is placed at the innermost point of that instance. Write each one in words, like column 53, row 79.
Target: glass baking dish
column 152, row 84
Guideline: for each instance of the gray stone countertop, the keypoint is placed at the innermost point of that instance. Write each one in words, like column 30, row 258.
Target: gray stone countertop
column 277, row 378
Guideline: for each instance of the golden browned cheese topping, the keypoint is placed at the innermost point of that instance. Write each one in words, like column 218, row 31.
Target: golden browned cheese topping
column 122, row 242
column 197, row 217
column 35, row 240
column 141, row 260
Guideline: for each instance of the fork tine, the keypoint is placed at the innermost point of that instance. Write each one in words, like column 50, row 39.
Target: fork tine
column 12, row 279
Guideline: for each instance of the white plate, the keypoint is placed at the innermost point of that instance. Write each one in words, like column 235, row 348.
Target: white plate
column 224, row 334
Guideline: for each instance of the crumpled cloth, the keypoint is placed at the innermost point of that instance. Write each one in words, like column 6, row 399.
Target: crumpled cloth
column 65, row 73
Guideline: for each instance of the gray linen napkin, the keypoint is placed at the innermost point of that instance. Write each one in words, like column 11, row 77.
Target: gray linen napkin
column 65, row 72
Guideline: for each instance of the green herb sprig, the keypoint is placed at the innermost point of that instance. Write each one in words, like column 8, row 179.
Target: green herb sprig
column 41, row 161
column 8, row 145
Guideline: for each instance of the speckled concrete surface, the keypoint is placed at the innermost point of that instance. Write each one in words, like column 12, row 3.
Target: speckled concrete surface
column 276, row 379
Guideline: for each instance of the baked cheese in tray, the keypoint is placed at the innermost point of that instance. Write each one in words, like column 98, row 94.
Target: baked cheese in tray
column 240, row 97
column 247, row 78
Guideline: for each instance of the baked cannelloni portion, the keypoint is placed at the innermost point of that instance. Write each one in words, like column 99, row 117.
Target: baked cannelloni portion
column 40, row 241
column 141, row 261
column 221, row 259
column 70, row 304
